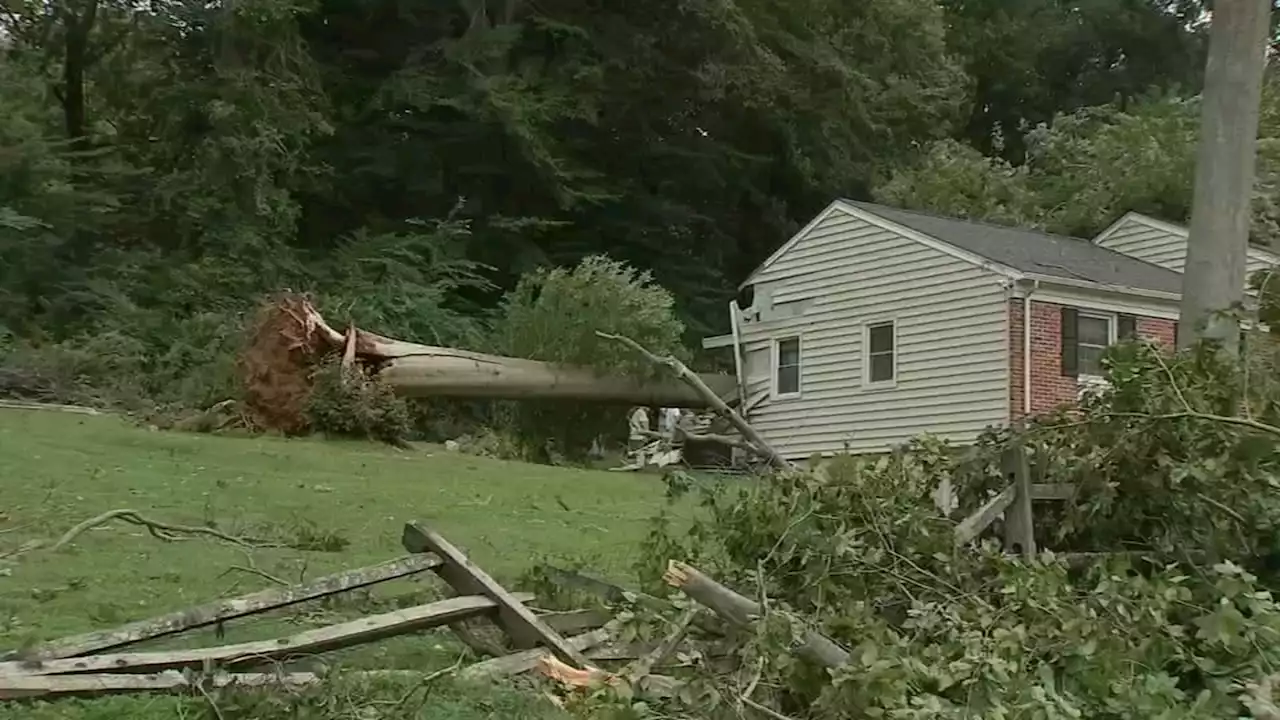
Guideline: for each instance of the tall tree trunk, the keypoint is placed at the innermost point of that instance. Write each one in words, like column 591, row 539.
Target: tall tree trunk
column 75, row 61
column 1214, row 278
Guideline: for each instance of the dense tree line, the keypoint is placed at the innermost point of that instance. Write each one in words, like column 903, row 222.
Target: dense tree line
column 164, row 163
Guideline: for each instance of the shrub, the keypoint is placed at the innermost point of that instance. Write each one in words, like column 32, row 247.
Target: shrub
column 104, row 370
column 351, row 404
column 553, row 315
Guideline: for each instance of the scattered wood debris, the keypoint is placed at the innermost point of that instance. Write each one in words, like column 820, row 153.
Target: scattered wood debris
column 106, row 661
column 573, row 649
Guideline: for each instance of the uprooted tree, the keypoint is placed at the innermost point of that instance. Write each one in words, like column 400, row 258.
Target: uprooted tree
column 565, row 373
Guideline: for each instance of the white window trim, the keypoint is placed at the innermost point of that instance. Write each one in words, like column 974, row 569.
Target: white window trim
column 866, row 354
column 773, row 367
column 1113, row 322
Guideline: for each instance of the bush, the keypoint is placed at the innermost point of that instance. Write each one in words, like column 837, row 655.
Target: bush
column 102, row 371
column 350, row 404
column 553, row 315
column 1177, row 620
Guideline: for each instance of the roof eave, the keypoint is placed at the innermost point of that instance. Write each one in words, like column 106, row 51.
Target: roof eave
column 1091, row 285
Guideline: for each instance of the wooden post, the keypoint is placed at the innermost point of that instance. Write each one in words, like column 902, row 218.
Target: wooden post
column 466, row 578
column 1019, row 528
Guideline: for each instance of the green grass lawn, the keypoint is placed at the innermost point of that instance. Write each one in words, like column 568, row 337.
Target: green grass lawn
column 349, row 501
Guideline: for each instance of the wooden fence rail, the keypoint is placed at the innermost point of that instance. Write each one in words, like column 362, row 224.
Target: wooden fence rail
column 1014, row 503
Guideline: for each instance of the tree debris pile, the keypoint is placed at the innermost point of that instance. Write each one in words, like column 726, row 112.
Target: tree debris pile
column 1155, row 516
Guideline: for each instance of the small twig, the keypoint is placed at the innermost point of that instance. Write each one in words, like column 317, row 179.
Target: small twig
column 260, row 573
column 755, row 679
column 426, row 681
column 644, row 665
column 22, row 549
column 213, row 705
column 1173, row 382
column 1235, row 515
column 763, row 709
column 1208, row 417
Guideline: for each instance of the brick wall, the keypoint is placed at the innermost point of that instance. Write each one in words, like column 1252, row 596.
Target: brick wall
column 1049, row 388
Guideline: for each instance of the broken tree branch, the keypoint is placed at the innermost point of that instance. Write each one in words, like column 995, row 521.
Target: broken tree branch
column 743, row 611
column 681, row 371
column 164, row 531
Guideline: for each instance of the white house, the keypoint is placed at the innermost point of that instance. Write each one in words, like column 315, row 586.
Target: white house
column 873, row 325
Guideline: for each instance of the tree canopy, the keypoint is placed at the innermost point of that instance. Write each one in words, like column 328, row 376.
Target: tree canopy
column 172, row 158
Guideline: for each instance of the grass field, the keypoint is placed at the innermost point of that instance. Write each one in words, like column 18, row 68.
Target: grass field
column 345, row 503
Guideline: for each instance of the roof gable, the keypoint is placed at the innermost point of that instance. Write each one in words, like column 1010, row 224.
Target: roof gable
column 1257, row 251
column 853, row 209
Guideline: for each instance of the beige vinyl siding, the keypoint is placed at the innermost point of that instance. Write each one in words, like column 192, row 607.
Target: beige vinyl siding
column 1165, row 245
column 952, row 358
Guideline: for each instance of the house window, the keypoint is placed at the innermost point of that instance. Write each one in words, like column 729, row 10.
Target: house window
column 880, row 361
column 786, row 366
column 1085, row 338
column 1094, row 335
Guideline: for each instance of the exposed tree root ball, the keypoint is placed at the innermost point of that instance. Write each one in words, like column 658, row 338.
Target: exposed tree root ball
column 284, row 347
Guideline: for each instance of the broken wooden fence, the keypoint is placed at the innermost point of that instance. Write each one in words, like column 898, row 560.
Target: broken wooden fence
column 105, row 661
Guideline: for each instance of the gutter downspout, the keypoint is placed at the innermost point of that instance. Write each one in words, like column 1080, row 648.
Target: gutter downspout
column 1026, row 349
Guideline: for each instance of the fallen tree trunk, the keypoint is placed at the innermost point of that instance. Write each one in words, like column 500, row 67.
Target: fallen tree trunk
column 456, row 373
column 290, row 337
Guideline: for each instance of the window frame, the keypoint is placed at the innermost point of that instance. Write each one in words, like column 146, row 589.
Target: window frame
column 1112, row 329
column 867, row 382
column 776, row 367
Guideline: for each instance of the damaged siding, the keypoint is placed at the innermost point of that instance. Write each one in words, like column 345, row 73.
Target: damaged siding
column 952, row 358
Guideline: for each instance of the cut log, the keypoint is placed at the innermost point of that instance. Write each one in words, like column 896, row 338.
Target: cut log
column 262, row 652
column 223, row 610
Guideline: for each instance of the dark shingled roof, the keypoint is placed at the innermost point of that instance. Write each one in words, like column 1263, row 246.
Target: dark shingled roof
column 1032, row 251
